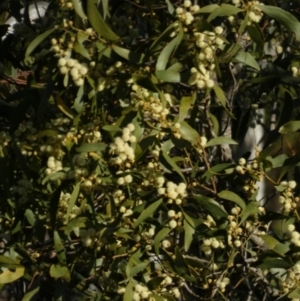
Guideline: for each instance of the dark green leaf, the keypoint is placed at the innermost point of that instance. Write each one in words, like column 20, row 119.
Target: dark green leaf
column 147, row 212
column 231, row 196
column 98, row 23
column 284, row 17
column 37, row 41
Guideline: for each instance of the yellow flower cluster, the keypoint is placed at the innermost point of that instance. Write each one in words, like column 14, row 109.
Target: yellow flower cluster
column 121, row 146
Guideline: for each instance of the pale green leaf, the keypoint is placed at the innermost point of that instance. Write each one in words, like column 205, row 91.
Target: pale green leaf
column 291, row 126
column 247, row 59
column 11, row 276
column 220, row 141
column 223, row 10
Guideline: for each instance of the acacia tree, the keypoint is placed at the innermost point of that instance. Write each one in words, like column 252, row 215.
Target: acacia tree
column 120, row 178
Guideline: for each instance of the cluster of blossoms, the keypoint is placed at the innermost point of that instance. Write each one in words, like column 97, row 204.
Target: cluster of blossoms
column 140, row 292
column 66, row 4
column 109, row 81
column 63, row 207
column 53, row 146
column 80, row 167
column 275, row 43
column 22, row 190
column 90, row 183
column 295, row 235
column 25, row 138
column 76, row 69
column 208, row 42
column 210, row 244
column 53, row 165
column 296, row 71
column 185, row 13
column 88, row 236
column 234, row 232
column 5, row 138
column 153, row 108
column 174, row 193
column 90, row 132
column 118, row 197
column 173, row 216
column 255, row 14
column 287, row 199
column 202, row 142
column 288, row 280
column 60, row 122
column 210, row 222
column 222, row 283
column 121, row 147
column 124, row 180
column 152, row 175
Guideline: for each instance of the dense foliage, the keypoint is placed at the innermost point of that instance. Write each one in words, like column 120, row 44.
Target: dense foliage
column 121, row 172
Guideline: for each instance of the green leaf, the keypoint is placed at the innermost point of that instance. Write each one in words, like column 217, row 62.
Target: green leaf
column 224, row 10
column 251, row 208
column 148, row 212
column 247, row 59
column 59, row 248
column 189, row 232
column 168, row 76
column 73, row 200
column 211, row 206
column 175, row 67
column 209, row 8
column 170, row 48
column 274, row 244
column 8, row 262
column 11, row 276
column 232, row 50
column 185, row 105
column 188, row 133
column 171, row 8
column 37, row 41
column 159, row 237
column 98, row 23
column 165, row 35
column 284, row 17
column 128, row 295
column 78, row 104
column 272, row 262
column 136, row 58
column 91, row 147
column 216, row 170
column 257, row 36
column 29, row 296
column 180, row 265
column 168, row 163
column 30, row 216
column 231, row 196
column 289, row 127
column 79, row 47
column 295, row 294
column 58, row 271
column 220, row 141
column 136, row 269
column 77, row 4
column 220, row 95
